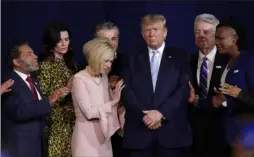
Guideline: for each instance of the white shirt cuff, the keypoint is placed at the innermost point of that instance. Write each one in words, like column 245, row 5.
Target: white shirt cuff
column 224, row 103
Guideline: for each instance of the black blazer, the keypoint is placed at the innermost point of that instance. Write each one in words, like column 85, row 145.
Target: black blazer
column 119, row 64
column 206, row 120
column 220, row 63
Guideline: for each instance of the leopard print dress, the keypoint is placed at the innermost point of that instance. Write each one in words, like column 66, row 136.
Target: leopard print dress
column 53, row 75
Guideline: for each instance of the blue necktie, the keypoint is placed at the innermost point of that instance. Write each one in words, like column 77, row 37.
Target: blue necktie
column 203, row 78
column 154, row 67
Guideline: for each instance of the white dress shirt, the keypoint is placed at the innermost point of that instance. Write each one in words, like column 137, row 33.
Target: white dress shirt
column 24, row 76
column 210, row 62
column 224, row 75
column 115, row 55
column 222, row 81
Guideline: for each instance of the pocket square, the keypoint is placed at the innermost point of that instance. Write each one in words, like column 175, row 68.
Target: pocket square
column 236, row 71
column 218, row 67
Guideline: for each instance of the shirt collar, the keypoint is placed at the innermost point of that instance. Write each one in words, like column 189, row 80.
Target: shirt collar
column 160, row 49
column 22, row 75
column 210, row 55
column 115, row 55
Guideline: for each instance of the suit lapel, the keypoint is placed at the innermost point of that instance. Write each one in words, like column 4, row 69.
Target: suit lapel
column 219, row 65
column 146, row 70
column 37, row 86
column 164, row 75
column 194, row 65
column 237, row 61
column 22, row 85
column 235, row 66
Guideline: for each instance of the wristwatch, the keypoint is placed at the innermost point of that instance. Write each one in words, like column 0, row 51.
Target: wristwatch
column 164, row 120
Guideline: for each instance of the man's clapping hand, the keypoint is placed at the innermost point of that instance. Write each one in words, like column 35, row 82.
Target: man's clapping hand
column 57, row 94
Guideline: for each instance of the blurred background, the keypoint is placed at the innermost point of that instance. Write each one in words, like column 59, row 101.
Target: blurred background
column 27, row 19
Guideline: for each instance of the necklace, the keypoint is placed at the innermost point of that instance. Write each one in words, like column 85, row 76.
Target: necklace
column 96, row 78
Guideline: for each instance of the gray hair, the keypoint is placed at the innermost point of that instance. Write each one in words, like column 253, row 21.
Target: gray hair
column 105, row 26
column 208, row 18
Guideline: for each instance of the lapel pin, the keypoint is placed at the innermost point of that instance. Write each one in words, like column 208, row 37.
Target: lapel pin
column 236, row 71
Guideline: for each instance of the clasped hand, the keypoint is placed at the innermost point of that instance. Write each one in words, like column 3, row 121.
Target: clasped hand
column 152, row 119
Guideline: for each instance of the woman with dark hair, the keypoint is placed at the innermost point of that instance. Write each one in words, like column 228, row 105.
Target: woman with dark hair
column 56, row 71
column 230, row 41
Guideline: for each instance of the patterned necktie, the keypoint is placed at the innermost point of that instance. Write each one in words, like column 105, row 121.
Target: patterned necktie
column 203, row 78
column 154, row 67
column 31, row 84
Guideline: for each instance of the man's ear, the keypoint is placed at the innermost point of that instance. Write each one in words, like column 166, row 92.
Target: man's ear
column 15, row 62
column 142, row 34
column 235, row 38
column 165, row 33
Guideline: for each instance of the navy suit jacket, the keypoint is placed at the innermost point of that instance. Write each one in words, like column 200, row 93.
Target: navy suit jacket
column 25, row 119
column 240, row 74
column 170, row 98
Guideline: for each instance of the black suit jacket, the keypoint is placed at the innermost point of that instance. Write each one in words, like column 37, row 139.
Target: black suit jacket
column 206, row 120
column 220, row 63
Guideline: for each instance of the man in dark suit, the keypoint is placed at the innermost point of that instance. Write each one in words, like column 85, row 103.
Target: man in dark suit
column 25, row 108
column 111, row 31
column 207, row 68
column 156, row 96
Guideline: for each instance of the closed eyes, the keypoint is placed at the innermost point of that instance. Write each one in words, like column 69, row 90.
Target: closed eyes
column 108, row 60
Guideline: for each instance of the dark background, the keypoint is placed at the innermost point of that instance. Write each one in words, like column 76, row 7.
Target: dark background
column 26, row 20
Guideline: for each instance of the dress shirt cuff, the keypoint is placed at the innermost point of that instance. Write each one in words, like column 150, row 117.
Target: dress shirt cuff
column 224, row 103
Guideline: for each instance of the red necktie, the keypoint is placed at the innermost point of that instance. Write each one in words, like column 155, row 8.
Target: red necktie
column 31, row 84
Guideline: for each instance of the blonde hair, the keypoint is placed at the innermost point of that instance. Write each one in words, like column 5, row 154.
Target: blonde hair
column 97, row 51
column 153, row 18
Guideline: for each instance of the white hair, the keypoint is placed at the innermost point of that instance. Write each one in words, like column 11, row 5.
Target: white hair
column 208, row 18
